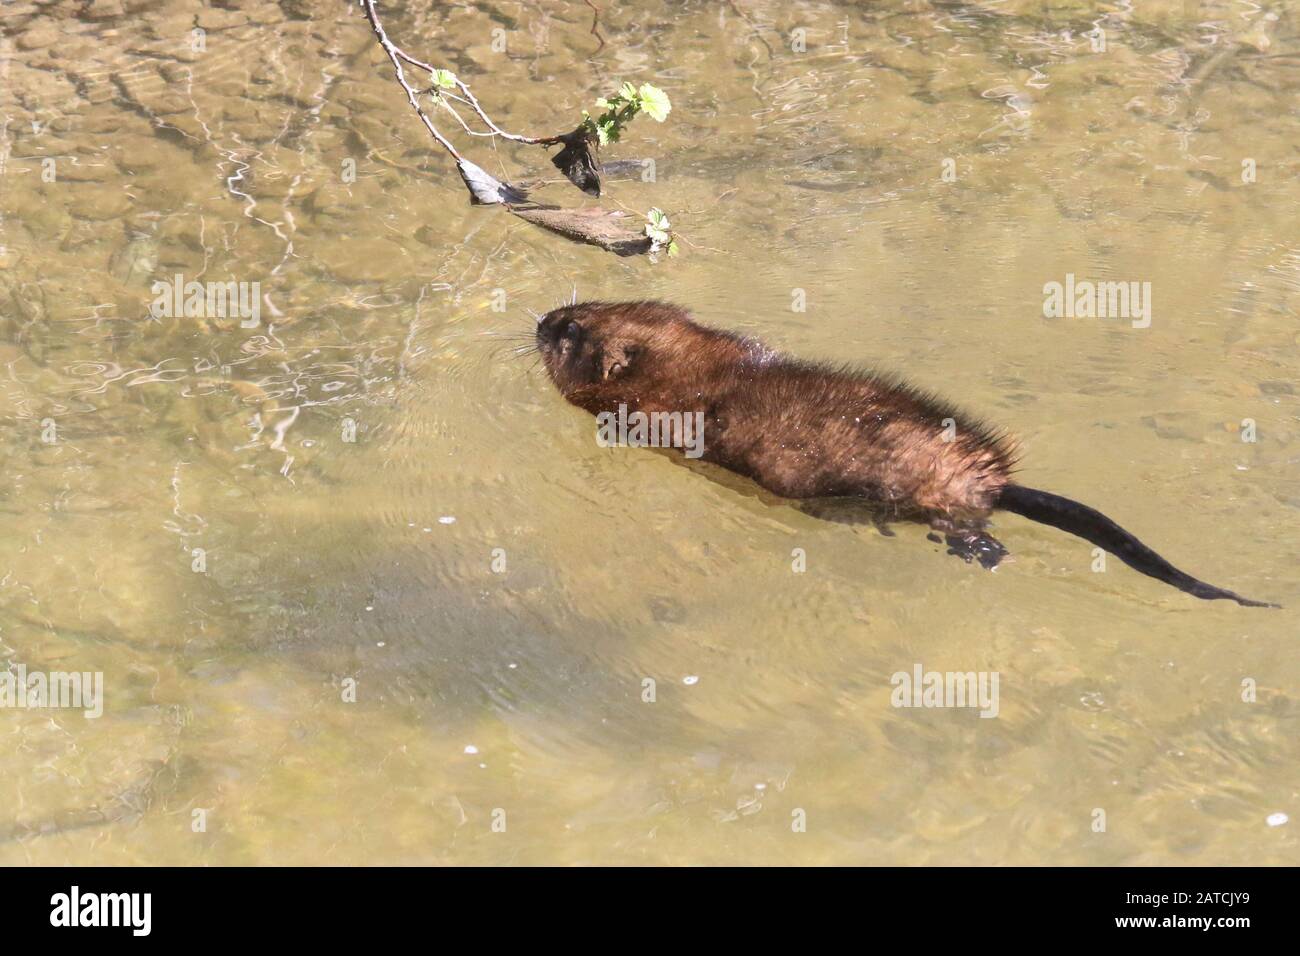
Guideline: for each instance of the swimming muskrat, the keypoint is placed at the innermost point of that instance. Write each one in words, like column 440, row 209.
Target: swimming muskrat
column 812, row 431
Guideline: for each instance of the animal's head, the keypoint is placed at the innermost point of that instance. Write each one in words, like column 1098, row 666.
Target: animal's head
column 597, row 349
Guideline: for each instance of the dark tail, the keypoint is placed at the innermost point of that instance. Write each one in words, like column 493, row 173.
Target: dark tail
column 1096, row 527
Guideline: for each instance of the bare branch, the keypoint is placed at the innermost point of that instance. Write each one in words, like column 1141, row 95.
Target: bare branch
column 614, row 231
column 469, row 98
column 397, row 56
column 484, row 188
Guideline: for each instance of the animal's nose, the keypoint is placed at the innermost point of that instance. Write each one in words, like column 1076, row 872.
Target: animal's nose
column 547, row 327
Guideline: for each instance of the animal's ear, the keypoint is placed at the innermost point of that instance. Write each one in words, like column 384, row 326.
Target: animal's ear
column 619, row 359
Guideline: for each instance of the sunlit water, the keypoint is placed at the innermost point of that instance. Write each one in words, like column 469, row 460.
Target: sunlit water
column 183, row 513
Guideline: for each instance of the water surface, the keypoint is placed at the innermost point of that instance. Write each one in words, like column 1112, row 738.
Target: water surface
column 913, row 177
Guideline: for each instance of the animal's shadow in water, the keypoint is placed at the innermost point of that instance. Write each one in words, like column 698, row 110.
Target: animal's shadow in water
column 448, row 651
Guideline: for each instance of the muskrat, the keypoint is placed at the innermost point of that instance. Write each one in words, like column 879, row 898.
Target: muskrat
column 817, row 432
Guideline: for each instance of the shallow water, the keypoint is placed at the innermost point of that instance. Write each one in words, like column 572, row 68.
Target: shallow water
column 499, row 713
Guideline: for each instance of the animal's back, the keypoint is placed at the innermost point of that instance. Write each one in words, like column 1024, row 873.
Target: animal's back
column 810, row 430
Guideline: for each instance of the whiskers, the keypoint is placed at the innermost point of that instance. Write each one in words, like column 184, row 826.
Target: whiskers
column 521, row 343
column 572, row 300
column 514, row 344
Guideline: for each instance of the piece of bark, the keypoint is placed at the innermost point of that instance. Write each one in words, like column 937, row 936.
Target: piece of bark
column 610, row 230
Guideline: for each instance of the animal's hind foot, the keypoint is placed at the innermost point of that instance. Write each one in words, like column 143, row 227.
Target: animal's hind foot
column 976, row 546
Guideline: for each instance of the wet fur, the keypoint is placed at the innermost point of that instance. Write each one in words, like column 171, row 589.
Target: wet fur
column 808, row 430
column 800, row 429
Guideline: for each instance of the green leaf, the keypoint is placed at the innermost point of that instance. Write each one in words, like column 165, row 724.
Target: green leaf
column 444, row 78
column 672, row 247
column 657, row 226
column 655, row 102
column 627, row 92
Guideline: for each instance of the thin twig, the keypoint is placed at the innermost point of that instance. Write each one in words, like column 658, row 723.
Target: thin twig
column 397, row 56
column 595, row 24
column 470, row 99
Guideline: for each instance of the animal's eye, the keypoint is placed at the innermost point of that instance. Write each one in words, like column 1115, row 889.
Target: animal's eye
column 571, row 330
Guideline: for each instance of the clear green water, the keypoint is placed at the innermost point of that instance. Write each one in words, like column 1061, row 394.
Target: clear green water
column 327, row 561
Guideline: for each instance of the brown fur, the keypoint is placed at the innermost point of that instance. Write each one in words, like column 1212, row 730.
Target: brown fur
column 815, row 431
column 799, row 429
